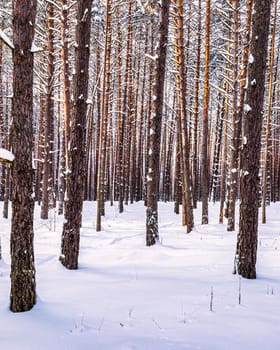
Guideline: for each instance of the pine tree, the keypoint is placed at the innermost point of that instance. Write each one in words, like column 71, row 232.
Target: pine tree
column 246, row 254
column 75, row 183
column 155, row 128
column 23, row 289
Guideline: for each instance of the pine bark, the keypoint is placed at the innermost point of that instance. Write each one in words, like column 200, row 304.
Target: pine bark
column 152, row 234
column 246, row 254
column 103, row 134
column 268, row 141
column 48, row 176
column 140, row 157
column 75, row 183
column 196, row 111
column 204, row 146
column 23, row 286
column 235, row 124
column 66, row 101
column 182, row 116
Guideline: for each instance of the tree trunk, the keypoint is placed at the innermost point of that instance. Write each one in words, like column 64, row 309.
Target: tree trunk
column 204, row 146
column 66, row 101
column 246, row 254
column 140, row 158
column 48, row 176
column 155, row 130
column 196, row 111
column 103, row 137
column 225, row 113
column 75, row 183
column 235, row 124
column 23, row 286
column 182, row 117
column 268, row 143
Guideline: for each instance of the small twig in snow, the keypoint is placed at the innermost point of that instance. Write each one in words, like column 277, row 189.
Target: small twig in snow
column 101, row 324
column 155, row 322
column 239, row 291
column 211, row 299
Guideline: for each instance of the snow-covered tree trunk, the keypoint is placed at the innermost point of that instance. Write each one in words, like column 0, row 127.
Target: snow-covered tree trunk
column 48, row 175
column 246, row 254
column 179, row 59
column 204, row 146
column 23, row 291
column 103, row 136
column 235, row 122
column 75, row 183
column 64, row 165
column 268, row 141
column 155, row 127
column 140, row 158
column 195, row 164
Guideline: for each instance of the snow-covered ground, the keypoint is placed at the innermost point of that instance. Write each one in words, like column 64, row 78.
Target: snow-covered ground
column 126, row 296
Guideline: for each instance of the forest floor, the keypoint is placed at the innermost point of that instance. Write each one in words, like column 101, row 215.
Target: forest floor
column 126, row 296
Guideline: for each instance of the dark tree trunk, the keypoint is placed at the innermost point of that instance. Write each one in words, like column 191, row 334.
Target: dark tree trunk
column 23, row 289
column 155, row 131
column 75, row 183
column 250, row 155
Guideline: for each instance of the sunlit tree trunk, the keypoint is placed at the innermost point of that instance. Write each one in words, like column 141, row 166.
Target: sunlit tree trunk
column 149, row 103
column 1, row 97
column 225, row 114
column 196, row 111
column 2, row 169
column 267, row 142
column 214, row 185
column 120, row 119
column 103, row 140
column 204, row 146
column 66, row 101
column 235, row 123
column 133, row 158
column 125, row 113
column 48, row 176
column 4, row 142
column 182, row 117
column 140, row 156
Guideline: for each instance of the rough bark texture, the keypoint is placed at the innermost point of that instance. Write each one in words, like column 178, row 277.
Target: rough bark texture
column 103, row 140
column 268, row 134
column 23, row 290
column 235, row 123
column 196, row 111
column 1, row 96
column 75, row 183
column 48, row 176
column 204, row 146
column 66, row 100
column 155, row 129
column 250, row 155
column 225, row 137
column 182, row 115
